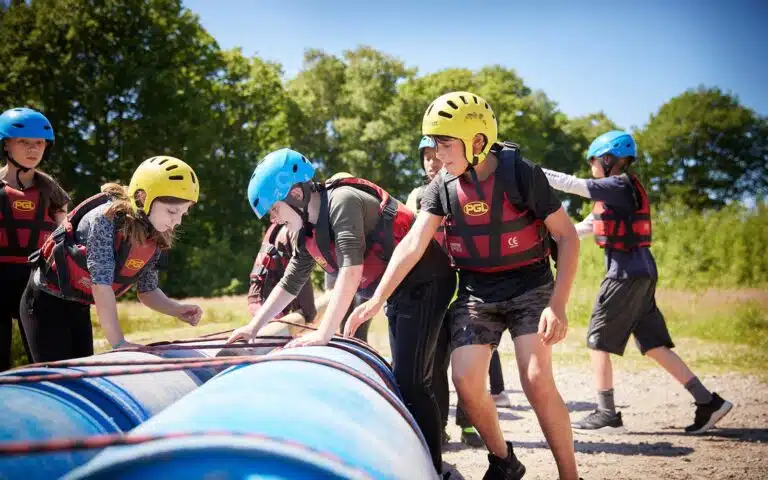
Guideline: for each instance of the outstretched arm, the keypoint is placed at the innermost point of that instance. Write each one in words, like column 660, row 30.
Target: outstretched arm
column 567, row 183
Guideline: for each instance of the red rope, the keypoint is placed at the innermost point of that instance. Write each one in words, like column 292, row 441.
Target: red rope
column 103, row 441
column 197, row 340
column 174, row 366
column 86, row 362
column 61, row 445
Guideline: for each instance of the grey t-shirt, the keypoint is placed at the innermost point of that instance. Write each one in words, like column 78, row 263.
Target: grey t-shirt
column 353, row 214
column 97, row 233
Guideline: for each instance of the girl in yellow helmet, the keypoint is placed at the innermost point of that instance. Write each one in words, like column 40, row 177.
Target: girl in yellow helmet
column 106, row 244
column 499, row 213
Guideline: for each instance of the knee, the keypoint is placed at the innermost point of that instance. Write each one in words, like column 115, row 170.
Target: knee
column 468, row 383
column 537, row 384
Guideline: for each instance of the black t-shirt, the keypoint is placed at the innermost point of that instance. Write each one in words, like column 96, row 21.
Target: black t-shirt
column 539, row 198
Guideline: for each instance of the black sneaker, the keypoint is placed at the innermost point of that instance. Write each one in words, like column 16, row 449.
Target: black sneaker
column 469, row 436
column 508, row 468
column 601, row 421
column 709, row 414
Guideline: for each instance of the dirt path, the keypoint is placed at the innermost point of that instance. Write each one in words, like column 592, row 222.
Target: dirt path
column 655, row 410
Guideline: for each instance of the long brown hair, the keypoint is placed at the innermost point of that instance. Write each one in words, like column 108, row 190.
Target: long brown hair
column 136, row 230
column 51, row 193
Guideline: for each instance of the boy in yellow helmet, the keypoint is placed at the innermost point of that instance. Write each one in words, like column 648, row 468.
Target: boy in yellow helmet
column 499, row 213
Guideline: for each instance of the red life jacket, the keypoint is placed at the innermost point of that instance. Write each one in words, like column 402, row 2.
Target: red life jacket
column 269, row 266
column 24, row 223
column 63, row 262
column 395, row 220
column 621, row 231
column 491, row 232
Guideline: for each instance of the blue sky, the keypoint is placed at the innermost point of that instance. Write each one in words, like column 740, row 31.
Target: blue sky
column 626, row 60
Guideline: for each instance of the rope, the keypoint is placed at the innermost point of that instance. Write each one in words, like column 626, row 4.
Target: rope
column 102, row 441
column 173, row 366
column 118, row 363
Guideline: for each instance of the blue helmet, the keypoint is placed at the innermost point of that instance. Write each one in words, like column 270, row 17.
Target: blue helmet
column 25, row 123
column 426, row 142
column 274, row 176
column 616, row 142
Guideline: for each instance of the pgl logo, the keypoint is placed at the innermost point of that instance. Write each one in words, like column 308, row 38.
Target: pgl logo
column 321, row 261
column 475, row 209
column 456, row 247
column 475, row 116
column 134, row 264
column 24, row 205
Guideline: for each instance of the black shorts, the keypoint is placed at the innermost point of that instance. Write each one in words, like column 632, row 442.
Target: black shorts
column 474, row 322
column 624, row 308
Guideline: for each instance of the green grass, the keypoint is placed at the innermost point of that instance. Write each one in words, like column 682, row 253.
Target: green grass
column 715, row 330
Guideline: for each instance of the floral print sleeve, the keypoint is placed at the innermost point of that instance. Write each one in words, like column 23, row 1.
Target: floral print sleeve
column 148, row 277
column 100, row 242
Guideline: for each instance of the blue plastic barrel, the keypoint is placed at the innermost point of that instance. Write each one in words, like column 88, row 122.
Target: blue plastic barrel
column 44, row 411
column 203, row 374
column 128, row 399
column 313, row 421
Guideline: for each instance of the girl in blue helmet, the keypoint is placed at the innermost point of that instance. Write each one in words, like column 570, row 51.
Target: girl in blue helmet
column 31, row 205
column 350, row 226
column 621, row 224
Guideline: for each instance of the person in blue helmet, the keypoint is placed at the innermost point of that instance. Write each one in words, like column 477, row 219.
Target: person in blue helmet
column 31, row 205
column 469, row 436
column 350, row 226
column 626, row 305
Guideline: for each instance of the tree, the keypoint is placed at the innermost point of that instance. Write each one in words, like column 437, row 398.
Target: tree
column 706, row 148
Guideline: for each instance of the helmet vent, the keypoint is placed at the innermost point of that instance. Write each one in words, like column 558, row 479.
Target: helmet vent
column 176, row 177
column 487, row 107
column 475, row 99
column 430, row 108
column 452, row 104
column 163, row 161
column 171, row 167
column 18, row 125
column 295, row 168
column 463, row 99
column 194, row 179
column 256, row 203
column 444, row 114
column 305, row 159
column 47, row 127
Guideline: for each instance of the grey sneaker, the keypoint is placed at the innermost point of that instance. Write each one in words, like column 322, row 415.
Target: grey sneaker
column 601, row 421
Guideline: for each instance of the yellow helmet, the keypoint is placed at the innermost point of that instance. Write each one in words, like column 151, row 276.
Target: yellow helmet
column 163, row 176
column 339, row 176
column 462, row 115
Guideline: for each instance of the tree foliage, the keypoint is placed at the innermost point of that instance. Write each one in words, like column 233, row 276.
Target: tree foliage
column 123, row 80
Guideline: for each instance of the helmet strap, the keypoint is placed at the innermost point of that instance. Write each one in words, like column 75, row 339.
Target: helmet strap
column 143, row 219
column 19, row 169
column 300, row 206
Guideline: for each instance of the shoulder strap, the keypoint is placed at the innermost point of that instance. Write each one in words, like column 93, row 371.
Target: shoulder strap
column 89, row 204
column 508, row 154
column 323, row 231
column 7, row 218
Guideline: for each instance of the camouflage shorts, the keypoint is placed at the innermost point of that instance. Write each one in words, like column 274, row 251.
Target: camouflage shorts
column 476, row 323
